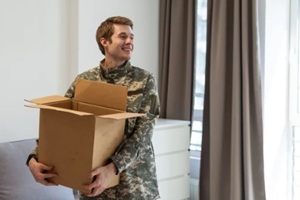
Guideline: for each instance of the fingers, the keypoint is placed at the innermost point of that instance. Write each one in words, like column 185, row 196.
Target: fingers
column 47, row 182
column 42, row 173
column 45, row 167
column 101, row 177
column 95, row 172
column 44, row 178
column 96, row 191
column 96, row 187
column 50, row 175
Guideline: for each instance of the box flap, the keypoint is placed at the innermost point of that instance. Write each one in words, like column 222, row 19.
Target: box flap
column 123, row 115
column 102, row 94
column 80, row 113
column 48, row 99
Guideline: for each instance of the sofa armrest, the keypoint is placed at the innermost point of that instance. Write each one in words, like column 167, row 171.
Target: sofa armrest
column 17, row 182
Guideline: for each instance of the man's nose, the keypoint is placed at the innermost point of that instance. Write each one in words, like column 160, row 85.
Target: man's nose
column 129, row 40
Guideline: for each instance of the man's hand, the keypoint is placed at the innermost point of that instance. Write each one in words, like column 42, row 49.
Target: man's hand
column 41, row 172
column 102, row 177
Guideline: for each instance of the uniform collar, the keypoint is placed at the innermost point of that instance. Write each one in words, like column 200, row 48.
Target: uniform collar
column 115, row 72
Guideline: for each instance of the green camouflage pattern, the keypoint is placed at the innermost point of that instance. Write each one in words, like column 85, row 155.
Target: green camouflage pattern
column 135, row 158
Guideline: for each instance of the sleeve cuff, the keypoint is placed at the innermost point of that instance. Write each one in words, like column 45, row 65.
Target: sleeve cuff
column 29, row 158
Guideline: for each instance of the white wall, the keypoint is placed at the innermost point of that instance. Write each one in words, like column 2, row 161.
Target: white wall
column 45, row 43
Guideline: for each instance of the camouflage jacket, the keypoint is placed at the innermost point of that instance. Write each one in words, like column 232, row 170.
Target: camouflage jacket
column 135, row 158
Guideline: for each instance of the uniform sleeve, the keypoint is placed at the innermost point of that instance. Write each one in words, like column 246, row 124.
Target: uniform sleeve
column 33, row 154
column 140, row 141
column 71, row 90
column 91, row 74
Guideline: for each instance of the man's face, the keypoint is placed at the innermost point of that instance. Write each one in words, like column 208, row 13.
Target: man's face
column 121, row 46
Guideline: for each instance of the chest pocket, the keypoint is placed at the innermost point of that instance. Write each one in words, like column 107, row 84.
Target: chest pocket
column 134, row 100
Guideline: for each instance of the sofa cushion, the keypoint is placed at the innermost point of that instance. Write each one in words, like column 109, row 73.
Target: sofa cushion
column 17, row 182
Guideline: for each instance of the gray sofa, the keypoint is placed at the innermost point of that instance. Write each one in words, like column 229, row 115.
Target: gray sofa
column 16, row 181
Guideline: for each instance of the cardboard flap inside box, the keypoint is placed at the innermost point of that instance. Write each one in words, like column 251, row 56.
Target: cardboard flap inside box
column 91, row 98
column 101, row 94
column 48, row 100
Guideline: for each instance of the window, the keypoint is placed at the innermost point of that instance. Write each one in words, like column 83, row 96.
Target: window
column 200, row 74
column 274, row 132
column 294, row 96
column 196, row 135
column 296, row 163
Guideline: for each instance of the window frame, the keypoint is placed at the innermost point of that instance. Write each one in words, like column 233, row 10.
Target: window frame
column 294, row 82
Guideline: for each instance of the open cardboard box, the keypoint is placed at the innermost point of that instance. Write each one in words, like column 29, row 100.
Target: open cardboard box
column 80, row 134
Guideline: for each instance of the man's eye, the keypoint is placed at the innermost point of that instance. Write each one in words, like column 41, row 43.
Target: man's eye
column 123, row 37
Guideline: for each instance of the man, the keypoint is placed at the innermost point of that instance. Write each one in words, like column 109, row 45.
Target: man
column 134, row 159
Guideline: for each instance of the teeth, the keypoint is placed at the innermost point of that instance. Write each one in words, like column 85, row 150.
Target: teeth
column 126, row 48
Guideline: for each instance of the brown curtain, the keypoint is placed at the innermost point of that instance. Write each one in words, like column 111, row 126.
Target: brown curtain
column 232, row 145
column 176, row 58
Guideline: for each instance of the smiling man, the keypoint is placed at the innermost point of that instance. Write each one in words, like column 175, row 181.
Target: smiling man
column 134, row 159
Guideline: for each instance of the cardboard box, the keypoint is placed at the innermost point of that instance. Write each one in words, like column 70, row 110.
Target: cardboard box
column 79, row 135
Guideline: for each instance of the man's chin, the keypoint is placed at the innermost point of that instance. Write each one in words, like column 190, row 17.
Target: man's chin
column 127, row 57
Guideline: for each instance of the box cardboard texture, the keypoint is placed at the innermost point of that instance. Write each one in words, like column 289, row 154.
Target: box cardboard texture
column 80, row 134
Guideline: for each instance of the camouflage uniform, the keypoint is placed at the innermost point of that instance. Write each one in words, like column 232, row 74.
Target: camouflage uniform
column 134, row 159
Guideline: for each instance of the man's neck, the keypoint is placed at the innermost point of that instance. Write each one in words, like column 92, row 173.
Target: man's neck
column 111, row 63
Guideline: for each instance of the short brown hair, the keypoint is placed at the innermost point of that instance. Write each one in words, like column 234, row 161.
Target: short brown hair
column 106, row 29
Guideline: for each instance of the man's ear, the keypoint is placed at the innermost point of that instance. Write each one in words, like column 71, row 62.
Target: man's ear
column 104, row 42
